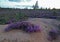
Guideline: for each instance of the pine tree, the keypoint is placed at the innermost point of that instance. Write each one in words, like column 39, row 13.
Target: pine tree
column 36, row 5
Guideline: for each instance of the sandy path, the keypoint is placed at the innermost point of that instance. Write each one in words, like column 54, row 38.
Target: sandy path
column 20, row 36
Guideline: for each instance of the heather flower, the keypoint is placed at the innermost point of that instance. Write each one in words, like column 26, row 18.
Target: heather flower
column 12, row 26
column 59, row 29
column 53, row 34
column 25, row 26
column 33, row 28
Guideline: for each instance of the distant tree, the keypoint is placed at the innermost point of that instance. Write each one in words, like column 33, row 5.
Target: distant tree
column 54, row 13
column 26, row 8
column 36, row 5
column 54, row 9
column 0, row 7
column 48, row 8
column 41, row 8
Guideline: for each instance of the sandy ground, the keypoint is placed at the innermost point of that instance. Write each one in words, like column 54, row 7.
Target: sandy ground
column 20, row 36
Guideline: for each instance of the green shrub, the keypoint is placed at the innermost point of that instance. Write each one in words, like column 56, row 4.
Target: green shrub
column 12, row 18
column 2, row 21
column 20, row 17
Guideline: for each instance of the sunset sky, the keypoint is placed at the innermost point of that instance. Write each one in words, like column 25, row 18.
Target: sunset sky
column 29, row 3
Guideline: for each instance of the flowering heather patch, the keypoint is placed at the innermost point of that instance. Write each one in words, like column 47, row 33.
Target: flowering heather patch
column 25, row 26
column 59, row 29
column 59, row 26
column 53, row 35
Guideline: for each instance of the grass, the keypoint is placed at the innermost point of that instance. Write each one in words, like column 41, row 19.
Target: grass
column 7, row 18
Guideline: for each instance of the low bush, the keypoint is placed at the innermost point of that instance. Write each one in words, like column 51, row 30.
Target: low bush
column 24, row 26
column 7, row 19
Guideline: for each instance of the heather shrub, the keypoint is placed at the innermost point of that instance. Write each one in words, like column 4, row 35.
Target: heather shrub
column 53, row 35
column 24, row 26
column 12, row 26
column 59, row 29
column 20, row 17
column 59, row 26
column 11, row 21
column 12, row 18
column 2, row 21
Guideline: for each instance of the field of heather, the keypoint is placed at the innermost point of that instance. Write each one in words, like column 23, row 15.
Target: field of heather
column 20, row 36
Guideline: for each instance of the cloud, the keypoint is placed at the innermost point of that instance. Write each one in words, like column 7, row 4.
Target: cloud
column 20, row 3
column 14, row 4
column 3, row 0
column 19, row 0
column 49, row 3
column 15, row 0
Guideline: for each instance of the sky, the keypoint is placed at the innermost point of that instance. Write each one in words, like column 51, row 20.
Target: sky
column 28, row 3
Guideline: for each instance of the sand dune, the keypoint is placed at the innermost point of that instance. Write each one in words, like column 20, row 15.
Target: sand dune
column 20, row 36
